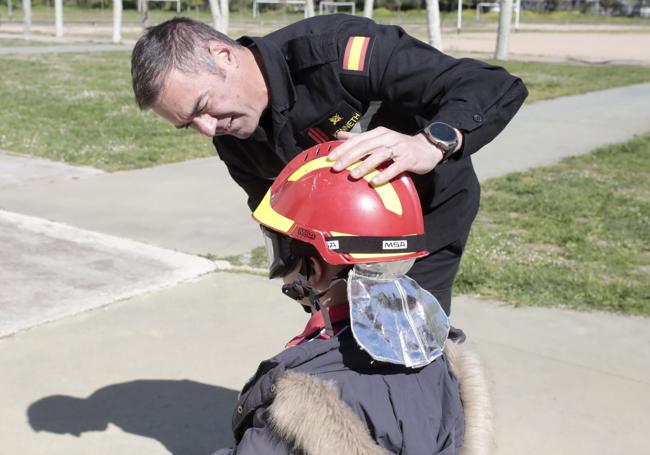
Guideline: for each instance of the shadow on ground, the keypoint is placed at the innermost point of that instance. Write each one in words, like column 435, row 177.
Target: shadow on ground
column 187, row 417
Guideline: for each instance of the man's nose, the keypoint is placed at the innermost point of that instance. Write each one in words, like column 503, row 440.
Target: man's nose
column 205, row 124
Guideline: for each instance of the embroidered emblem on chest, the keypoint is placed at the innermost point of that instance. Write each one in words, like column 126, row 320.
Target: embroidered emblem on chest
column 342, row 119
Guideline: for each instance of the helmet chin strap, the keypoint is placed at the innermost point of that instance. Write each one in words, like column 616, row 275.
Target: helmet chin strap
column 301, row 288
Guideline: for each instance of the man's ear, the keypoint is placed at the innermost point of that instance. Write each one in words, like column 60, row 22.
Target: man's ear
column 222, row 54
column 317, row 268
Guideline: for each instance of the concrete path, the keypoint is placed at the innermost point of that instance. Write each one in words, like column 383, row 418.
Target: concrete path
column 63, row 48
column 159, row 374
column 542, row 133
column 51, row 270
column 190, row 206
column 18, row 169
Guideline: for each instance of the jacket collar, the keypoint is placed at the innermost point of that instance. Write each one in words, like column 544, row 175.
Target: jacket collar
column 339, row 314
column 282, row 90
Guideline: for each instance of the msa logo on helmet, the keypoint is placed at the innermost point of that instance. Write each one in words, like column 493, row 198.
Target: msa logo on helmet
column 332, row 244
column 394, row 245
column 302, row 232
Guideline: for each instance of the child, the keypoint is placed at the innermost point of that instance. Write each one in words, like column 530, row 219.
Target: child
column 367, row 375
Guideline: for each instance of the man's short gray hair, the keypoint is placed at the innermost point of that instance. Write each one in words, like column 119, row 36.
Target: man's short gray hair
column 180, row 43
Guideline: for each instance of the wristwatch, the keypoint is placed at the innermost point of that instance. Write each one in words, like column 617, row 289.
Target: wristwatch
column 442, row 136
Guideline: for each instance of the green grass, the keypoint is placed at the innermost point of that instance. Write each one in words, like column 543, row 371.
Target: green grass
column 83, row 111
column 553, row 80
column 576, row 234
column 79, row 108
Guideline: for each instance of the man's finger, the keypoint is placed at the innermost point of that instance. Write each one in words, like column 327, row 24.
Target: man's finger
column 388, row 174
column 370, row 164
column 369, row 146
column 353, row 141
column 343, row 135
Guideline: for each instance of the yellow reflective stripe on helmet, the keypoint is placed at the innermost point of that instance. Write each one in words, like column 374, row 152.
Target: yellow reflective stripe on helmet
column 387, row 194
column 386, row 191
column 313, row 165
column 265, row 214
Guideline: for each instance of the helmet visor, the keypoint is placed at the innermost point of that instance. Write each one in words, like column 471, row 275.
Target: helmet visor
column 280, row 261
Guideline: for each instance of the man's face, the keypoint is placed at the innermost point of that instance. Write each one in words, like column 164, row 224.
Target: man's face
column 212, row 104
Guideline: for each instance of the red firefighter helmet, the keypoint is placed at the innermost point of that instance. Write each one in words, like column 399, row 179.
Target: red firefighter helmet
column 348, row 221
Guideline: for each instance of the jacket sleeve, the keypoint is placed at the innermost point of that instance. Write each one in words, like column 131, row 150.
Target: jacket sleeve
column 258, row 439
column 413, row 78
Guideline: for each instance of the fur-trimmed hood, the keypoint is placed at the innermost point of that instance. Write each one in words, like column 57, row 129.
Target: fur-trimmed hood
column 308, row 412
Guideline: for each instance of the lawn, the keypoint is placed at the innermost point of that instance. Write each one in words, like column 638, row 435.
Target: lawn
column 576, row 234
column 79, row 108
column 553, row 80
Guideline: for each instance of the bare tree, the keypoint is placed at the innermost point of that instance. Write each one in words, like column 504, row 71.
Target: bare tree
column 225, row 15
column 309, row 6
column 58, row 17
column 27, row 19
column 220, row 15
column 368, row 6
column 433, row 24
column 503, row 33
column 117, row 21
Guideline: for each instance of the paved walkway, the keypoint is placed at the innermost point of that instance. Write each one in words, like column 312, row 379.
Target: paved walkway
column 587, row 43
column 564, row 382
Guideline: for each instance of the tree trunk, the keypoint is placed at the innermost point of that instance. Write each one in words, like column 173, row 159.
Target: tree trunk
column 433, row 24
column 215, row 10
column 309, row 8
column 117, row 21
column 225, row 16
column 10, row 9
column 27, row 19
column 58, row 17
column 145, row 14
column 503, row 33
column 368, row 6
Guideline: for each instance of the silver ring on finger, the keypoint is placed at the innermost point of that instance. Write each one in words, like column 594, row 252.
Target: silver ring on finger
column 391, row 152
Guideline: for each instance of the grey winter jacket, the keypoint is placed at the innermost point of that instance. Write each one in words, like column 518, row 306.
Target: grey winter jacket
column 329, row 397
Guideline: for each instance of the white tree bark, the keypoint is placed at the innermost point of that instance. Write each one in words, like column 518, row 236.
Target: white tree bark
column 310, row 11
column 368, row 6
column 433, row 24
column 215, row 10
column 10, row 9
column 27, row 19
column 225, row 16
column 58, row 17
column 117, row 21
column 503, row 33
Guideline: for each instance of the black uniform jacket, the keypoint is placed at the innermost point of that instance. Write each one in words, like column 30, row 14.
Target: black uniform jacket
column 324, row 72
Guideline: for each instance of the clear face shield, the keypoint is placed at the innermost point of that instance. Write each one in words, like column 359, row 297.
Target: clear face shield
column 392, row 317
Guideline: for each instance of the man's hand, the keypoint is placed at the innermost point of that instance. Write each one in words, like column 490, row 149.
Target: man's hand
column 409, row 153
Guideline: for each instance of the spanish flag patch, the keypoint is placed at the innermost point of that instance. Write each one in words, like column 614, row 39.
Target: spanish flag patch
column 357, row 53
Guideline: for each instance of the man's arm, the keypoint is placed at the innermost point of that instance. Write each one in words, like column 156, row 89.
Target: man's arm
column 418, row 81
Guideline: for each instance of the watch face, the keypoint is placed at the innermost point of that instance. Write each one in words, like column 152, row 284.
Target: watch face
column 442, row 132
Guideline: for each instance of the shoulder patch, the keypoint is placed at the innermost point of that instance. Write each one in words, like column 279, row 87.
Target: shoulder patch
column 357, row 54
